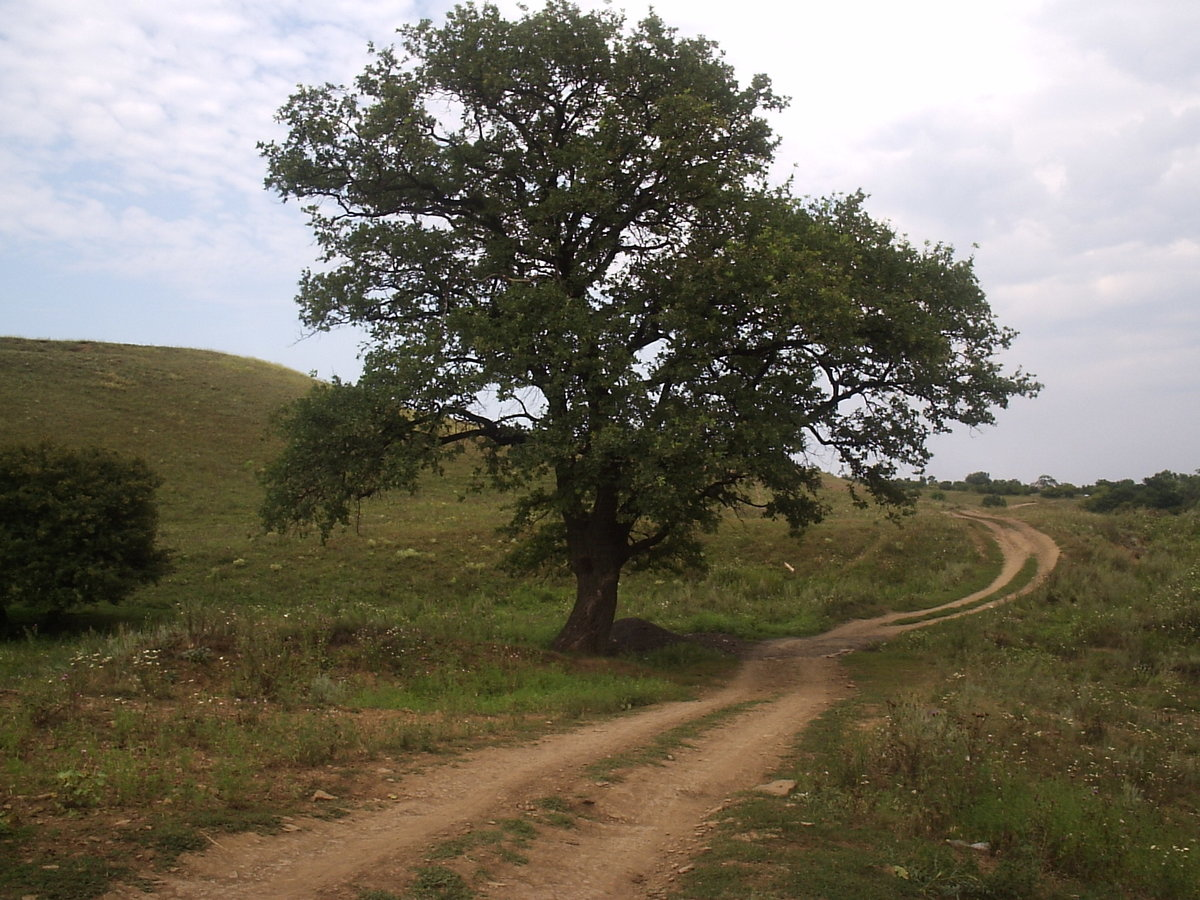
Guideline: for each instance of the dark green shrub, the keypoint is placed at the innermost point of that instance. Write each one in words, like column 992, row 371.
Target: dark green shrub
column 77, row 526
column 993, row 500
column 1168, row 491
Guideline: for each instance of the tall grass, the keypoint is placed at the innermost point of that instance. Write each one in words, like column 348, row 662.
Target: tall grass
column 856, row 564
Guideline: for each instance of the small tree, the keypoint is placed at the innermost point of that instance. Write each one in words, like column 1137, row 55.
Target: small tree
column 571, row 217
column 981, row 482
column 1045, row 483
column 76, row 527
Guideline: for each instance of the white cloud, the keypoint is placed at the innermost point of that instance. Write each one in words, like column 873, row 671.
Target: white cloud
column 1062, row 136
column 1153, row 40
column 131, row 129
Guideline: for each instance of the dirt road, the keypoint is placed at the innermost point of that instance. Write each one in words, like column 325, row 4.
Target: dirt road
column 637, row 833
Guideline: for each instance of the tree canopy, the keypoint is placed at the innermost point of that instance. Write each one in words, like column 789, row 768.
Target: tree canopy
column 1165, row 491
column 558, row 234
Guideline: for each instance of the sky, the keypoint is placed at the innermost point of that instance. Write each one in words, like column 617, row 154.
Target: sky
column 1055, row 141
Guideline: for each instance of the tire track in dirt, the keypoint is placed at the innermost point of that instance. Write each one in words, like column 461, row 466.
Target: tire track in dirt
column 639, row 831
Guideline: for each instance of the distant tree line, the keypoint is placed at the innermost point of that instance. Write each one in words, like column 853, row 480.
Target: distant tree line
column 983, row 483
column 1167, row 491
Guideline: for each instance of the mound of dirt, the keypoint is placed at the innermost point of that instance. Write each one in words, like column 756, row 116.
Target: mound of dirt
column 633, row 635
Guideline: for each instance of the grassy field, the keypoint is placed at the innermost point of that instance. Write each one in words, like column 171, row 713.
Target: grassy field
column 266, row 667
column 1047, row 749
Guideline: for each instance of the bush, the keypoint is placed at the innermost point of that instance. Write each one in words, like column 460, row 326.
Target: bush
column 1167, row 491
column 76, row 527
column 993, row 500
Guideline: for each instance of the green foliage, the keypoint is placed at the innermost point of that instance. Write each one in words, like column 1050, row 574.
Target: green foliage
column 340, row 446
column 983, row 483
column 993, row 500
column 570, row 216
column 1051, row 488
column 76, row 527
column 1167, row 491
column 81, row 789
column 197, row 417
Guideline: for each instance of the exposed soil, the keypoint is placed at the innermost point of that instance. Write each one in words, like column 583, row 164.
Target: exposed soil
column 633, row 835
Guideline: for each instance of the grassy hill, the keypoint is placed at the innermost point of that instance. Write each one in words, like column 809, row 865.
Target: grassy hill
column 199, row 418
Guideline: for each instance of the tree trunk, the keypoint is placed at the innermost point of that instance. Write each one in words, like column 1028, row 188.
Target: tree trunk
column 598, row 547
column 588, row 627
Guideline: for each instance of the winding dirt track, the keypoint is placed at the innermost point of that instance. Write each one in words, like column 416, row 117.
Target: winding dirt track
column 638, row 833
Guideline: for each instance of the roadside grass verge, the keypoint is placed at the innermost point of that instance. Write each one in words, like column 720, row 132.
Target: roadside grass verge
column 611, row 768
column 1046, row 749
column 451, row 868
column 1022, row 580
column 762, row 583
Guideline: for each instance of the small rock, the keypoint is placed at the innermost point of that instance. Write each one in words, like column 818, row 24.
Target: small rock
column 288, row 826
column 980, row 846
column 323, row 795
column 779, row 788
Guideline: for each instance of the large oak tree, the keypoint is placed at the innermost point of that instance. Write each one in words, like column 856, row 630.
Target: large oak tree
column 558, row 235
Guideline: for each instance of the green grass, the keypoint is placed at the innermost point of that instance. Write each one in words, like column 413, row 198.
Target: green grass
column 1023, row 578
column 1060, row 731
column 610, row 768
column 854, row 565
column 437, row 883
column 63, row 879
column 265, row 665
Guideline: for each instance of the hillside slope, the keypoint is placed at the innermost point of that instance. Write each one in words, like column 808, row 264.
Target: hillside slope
column 199, row 418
